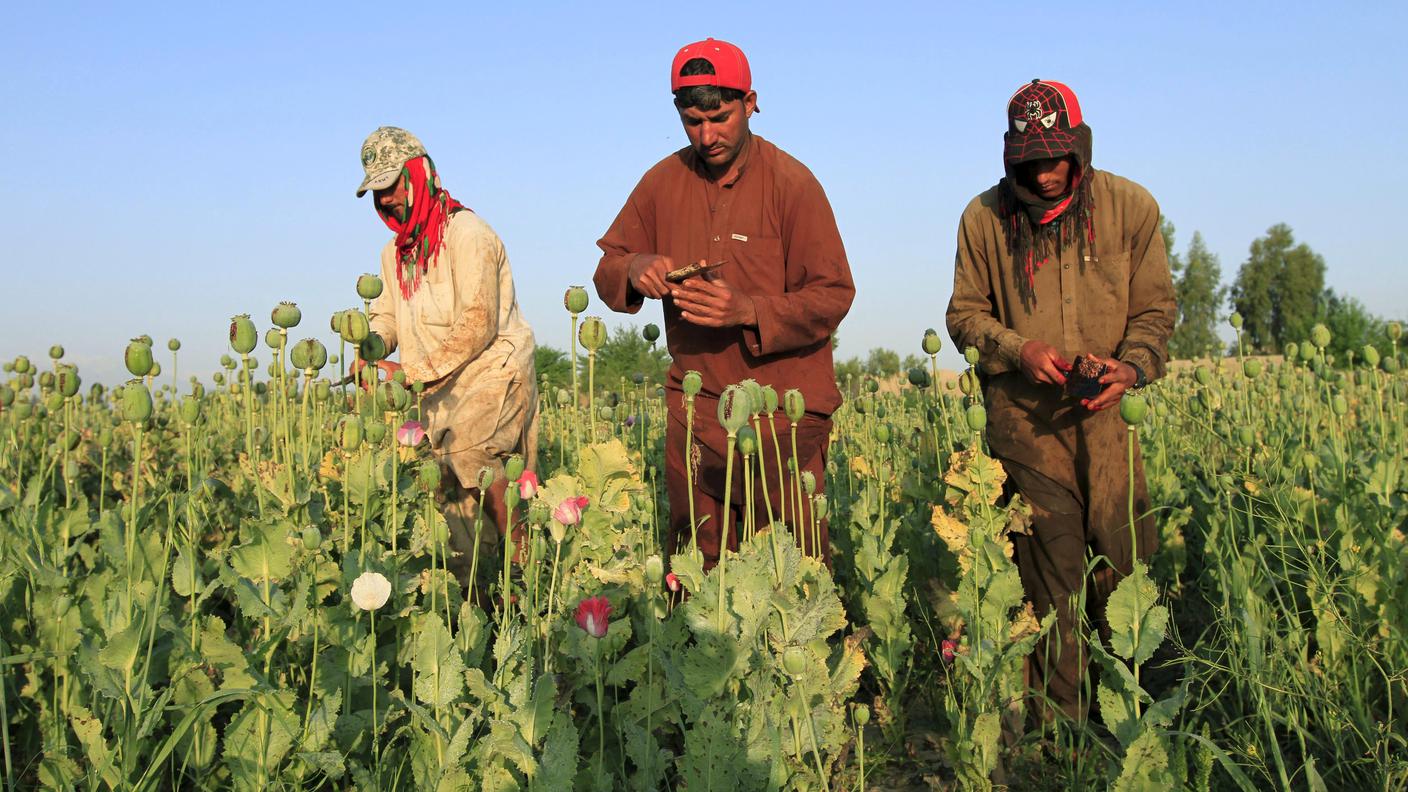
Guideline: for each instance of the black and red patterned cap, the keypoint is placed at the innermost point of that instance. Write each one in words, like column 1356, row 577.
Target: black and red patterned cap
column 1042, row 118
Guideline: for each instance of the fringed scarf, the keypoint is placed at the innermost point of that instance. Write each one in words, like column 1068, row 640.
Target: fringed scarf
column 1037, row 228
column 420, row 224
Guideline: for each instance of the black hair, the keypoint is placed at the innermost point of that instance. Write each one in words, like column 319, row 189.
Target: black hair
column 704, row 97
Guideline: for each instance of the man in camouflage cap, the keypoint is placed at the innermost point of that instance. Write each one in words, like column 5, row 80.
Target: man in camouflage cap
column 450, row 308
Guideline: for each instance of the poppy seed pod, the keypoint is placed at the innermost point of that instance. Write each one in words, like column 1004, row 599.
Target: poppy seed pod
column 967, row 382
column 21, row 365
column 513, row 468
column 882, row 432
column 1203, row 375
column 349, row 432
column 1340, row 404
column 54, row 402
column 794, row 660
column 919, row 377
column 368, row 286
column 592, row 333
column 56, row 352
column 174, row 344
column 755, row 395
column 932, row 343
column 352, row 326
column 977, row 417
column 273, row 338
column 23, row 410
column 1320, row 336
column 68, row 381
column 316, row 352
column 46, row 380
column 1251, row 369
column 286, row 315
column 374, row 431
column 1245, row 436
column 70, row 439
column 1235, row 320
column 486, row 478
column 372, row 348
column 971, row 355
column 312, row 539
column 1391, row 365
column 650, row 332
column 769, row 399
column 428, row 475
column 692, row 382
column 7, row 395
column 1371, row 356
column 394, row 395
column 862, row 715
column 135, row 402
column 1133, row 409
column 322, row 389
column 733, row 408
column 747, row 441
column 190, row 409
column 138, row 358
column 794, row 405
column 575, row 300
column 335, row 321
column 654, row 570
column 1394, row 331
column 808, row 482
column 243, row 336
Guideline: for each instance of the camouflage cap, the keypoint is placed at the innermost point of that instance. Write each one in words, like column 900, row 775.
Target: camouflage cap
column 383, row 154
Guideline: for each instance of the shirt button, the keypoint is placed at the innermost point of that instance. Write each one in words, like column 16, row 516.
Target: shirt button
column 1066, row 266
column 1068, row 301
column 716, row 239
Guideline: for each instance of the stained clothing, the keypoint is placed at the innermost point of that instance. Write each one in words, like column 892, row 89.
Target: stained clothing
column 1115, row 300
column 462, row 333
column 773, row 227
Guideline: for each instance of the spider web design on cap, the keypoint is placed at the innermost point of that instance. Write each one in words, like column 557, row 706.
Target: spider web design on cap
column 1029, row 112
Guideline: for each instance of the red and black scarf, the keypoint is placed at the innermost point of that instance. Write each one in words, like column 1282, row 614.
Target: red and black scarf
column 420, row 223
column 1037, row 228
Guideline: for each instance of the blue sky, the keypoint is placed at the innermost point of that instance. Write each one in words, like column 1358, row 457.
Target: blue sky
column 168, row 167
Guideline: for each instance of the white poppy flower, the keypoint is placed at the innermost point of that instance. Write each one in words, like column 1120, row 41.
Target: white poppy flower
column 370, row 590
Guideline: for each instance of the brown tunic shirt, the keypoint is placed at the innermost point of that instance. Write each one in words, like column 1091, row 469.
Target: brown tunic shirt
column 773, row 227
column 1116, row 300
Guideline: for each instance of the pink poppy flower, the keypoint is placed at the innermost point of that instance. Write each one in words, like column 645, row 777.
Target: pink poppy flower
column 527, row 485
column 949, row 647
column 410, row 434
column 593, row 614
column 569, row 512
column 672, row 582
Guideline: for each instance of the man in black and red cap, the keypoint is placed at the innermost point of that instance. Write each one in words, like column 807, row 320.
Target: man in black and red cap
column 1061, row 260
column 767, row 313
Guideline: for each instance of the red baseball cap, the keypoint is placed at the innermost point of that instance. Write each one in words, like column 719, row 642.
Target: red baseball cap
column 1042, row 117
column 730, row 66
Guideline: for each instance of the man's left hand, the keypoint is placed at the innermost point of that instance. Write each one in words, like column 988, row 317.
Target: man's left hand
column 713, row 303
column 1118, row 378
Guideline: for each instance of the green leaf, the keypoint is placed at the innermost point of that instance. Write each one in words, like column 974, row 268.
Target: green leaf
column 120, row 652
column 559, row 764
column 439, row 667
column 185, row 578
column 1137, row 621
column 505, row 742
column 267, row 556
column 1145, row 766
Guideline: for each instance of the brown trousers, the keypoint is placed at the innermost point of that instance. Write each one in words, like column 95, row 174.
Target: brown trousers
column 1052, row 561
column 708, row 454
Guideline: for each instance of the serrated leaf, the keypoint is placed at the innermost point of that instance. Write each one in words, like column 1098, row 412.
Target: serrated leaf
column 120, row 651
column 1136, row 620
column 1145, row 767
column 439, row 667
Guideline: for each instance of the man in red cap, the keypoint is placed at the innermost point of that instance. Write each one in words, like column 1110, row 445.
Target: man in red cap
column 767, row 313
column 1060, row 260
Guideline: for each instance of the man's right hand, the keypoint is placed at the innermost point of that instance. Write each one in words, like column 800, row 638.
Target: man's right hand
column 647, row 274
column 1042, row 364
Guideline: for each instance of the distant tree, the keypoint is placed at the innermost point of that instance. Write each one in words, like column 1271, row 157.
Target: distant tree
column 1201, row 296
column 554, row 364
column 1351, row 327
column 1175, row 264
column 914, row 361
column 850, row 370
column 882, row 363
column 625, row 354
column 1278, row 290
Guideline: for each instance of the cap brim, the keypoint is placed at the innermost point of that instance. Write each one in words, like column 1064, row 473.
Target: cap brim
column 1043, row 144
column 378, row 181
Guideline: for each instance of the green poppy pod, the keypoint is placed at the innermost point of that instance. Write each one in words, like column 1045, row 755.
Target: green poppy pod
column 1320, row 336
column 882, row 432
column 592, row 333
column 794, row 660
column 1133, row 409
column 286, row 315
column 174, row 344
column 353, row 327
column 605, row 412
column 794, row 405
column 950, row 384
column 417, row 387
column 68, row 381
column 369, row 286
column 513, row 468
column 56, row 351
column 487, row 474
column 1203, row 375
column 563, row 397
column 218, row 378
column 105, row 435
column 243, row 336
column 1394, row 331
column 273, row 338
column 808, row 482
column 1340, row 404
column 21, row 365
column 135, row 402
column 734, row 408
column 1245, row 436
column 322, row 389
column 919, row 377
column 374, row 432
column 23, row 410
column 575, row 300
column 691, row 383
column 138, row 358
column 1251, row 369
column 70, row 439
column 260, row 388
column 7, row 396
column 967, row 382
column 638, row 378
column 755, row 395
column 156, row 370
column 396, row 397
column 881, row 410
column 971, row 355
column 770, row 401
column 399, row 377
column 1371, row 356
column 428, row 475
column 46, row 380
column 864, row 404
column 1391, row 365
column 349, row 432
column 862, row 715
column 1290, row 350
column 872, row 385
column 747, row 441
column 335, row 321
column 1307, row 351
column 821, row 506
column 1235, row 320
column 298, row 354
column 977, row 417
column 651, row 332
column 1284, row 381
column 54, row 402
column 372, row 347
column 317, row 354
column 190, row 409
column 71, row 469
column 654, row 570
column 312, row 538
column 932, row 343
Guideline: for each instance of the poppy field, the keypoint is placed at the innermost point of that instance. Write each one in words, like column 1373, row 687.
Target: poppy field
column 243, row 580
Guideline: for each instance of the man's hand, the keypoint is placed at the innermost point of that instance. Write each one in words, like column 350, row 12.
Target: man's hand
column 711, row 302
column 1042, row 364
column 1119, row 377
column 387, row 367
column 646, row 274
